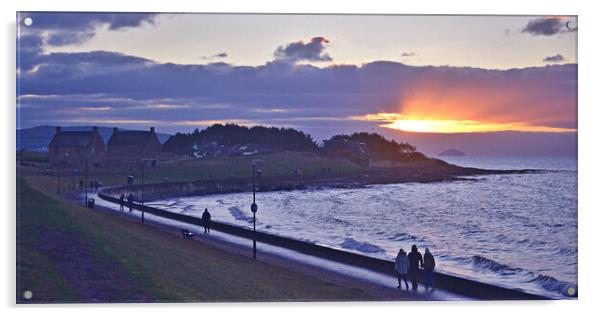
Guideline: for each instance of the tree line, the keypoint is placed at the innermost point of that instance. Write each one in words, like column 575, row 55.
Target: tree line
column 284, row 139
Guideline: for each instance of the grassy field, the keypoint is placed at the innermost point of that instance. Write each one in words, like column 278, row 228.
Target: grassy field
column 67, row 253
column 190, row 169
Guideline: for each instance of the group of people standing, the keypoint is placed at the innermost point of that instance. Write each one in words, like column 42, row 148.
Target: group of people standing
column 408, row 266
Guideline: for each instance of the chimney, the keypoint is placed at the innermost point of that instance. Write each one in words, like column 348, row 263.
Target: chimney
column 152, row 129
column 95, row 129
column 114, row 130
column 58, row 129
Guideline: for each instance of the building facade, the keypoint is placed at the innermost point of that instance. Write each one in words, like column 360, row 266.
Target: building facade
column 73, row 149
column 132, row 149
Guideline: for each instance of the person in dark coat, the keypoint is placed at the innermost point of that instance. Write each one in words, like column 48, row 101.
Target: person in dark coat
column 130, row 201
column 429, row 270
column 206, row 219
column 415, row 262
column 122, row 202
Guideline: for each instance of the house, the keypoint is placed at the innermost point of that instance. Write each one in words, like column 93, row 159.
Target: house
column 73, row 148
column 131, row 149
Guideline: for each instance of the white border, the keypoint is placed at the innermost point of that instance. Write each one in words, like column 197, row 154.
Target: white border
column 589, row 147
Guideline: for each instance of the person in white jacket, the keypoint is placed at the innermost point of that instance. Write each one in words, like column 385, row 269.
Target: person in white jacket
column 401, row 268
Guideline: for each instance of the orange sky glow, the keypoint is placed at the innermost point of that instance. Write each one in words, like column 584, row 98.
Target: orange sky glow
column 423, row 125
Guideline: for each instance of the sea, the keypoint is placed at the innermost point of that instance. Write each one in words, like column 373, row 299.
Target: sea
column 514, row 230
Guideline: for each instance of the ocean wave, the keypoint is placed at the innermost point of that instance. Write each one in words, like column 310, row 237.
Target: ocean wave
column 353, row 244
column 239, row 215
column 544, row 281
column 554, row 285
column 404, row 237
column 334, row 220
column 486, row 263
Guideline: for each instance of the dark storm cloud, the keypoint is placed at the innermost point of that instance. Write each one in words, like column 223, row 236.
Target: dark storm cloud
column 554, row 59
column 548, row 26
column 301, row 51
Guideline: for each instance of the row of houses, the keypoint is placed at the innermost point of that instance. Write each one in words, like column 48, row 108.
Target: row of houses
column 125, row 149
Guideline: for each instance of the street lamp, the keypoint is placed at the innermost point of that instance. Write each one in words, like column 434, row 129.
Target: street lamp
column 58, row 181
column 256, row 173
column 142, row 189
column 86, row 182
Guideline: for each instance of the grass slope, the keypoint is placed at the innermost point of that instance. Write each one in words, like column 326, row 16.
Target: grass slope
column 280, row 164
column 67, row 253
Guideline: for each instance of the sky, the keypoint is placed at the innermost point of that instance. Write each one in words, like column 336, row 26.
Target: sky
column 323, row 74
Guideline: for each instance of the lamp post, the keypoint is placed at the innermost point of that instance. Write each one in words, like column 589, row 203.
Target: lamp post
column 86, row 182
column 254, row 207
column 58, row 183
column 142, row 190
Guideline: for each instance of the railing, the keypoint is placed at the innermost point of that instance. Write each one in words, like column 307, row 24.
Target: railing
column 470, row 288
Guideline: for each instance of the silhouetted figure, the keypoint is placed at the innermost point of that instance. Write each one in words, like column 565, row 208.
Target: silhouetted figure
column 415, row 261
column 81, row 184
column 401, row 268
column 121, row 202
column 130, row 201
column 92, row 185
column 429, row 270
column 206, row 219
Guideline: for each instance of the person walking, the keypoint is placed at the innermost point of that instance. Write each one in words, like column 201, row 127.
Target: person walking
column 429, row 270
column 122, row 202
column 401, row 268
column 131, row 200
column 206, row 219
column 415, row 262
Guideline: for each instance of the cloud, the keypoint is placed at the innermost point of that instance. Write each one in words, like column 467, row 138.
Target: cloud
column 61, row 38
column 140, row 90
column 554, row 59
column 68, row 87
column 408, row 54
column 68, row 28
column 301, row 51
column 73, row 21
column 548, row 26
column 215, row 56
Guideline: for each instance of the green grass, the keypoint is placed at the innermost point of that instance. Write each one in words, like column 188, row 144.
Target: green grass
column 191, row 169
column 31, row 156
column 140, row 263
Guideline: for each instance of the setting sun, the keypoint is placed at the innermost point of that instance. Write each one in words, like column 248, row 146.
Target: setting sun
column 409, row 124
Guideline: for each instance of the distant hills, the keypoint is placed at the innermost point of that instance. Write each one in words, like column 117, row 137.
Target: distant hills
column 38, row 138
column 451, row 152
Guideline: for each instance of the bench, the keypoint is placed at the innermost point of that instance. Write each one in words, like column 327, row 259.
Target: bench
column 187, row 234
